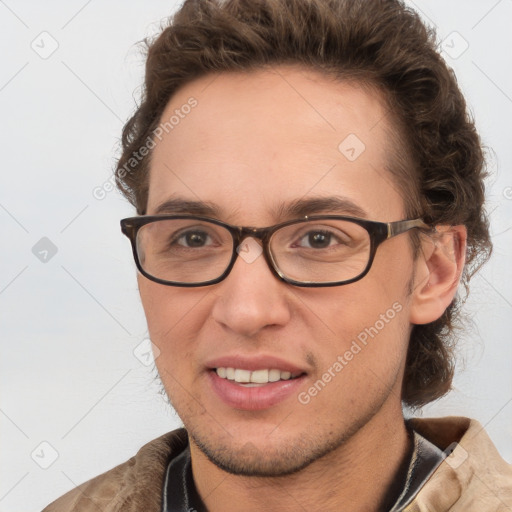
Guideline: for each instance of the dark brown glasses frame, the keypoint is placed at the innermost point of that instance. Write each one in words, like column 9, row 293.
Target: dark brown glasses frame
column 379, row 232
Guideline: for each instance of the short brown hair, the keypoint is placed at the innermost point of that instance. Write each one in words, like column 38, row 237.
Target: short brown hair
column 380, row 43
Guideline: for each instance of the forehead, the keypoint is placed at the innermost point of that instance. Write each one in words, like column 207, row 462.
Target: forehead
column 256, row 140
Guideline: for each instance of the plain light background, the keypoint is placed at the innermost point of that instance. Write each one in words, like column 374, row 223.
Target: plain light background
column 79, row 394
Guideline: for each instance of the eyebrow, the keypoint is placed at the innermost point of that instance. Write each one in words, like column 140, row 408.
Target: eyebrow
column 294, row 209
column 184, row 206
column 314, row 205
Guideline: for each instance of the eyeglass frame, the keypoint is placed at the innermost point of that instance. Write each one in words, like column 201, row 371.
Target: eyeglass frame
column 379, row 232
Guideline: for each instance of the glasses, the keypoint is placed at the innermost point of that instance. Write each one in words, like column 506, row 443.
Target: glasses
column 315, row 251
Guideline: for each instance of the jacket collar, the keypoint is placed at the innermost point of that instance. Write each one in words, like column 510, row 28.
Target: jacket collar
column 473, row 477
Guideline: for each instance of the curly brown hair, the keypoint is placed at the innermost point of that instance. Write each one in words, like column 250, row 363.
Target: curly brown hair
column 380, row 43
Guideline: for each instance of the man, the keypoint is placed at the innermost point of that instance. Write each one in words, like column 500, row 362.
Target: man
column 309, row 195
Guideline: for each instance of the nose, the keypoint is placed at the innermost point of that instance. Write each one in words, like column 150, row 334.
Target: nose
column 251, row 297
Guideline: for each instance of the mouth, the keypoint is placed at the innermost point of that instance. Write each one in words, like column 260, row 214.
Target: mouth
column 254, row 383
column 256, row 378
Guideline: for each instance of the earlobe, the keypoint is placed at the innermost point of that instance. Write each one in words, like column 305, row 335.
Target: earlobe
column 438, row 270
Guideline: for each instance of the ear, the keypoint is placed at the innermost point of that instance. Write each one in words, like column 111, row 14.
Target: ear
column 438, row 270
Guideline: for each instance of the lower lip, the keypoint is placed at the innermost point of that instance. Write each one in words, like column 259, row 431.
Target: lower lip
column 254, row 398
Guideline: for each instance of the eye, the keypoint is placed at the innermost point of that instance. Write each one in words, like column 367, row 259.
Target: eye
column 316, row 239
column 320, row 239
column 195, row 238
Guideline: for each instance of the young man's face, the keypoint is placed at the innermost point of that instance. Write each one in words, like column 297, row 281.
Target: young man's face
column 254, row 144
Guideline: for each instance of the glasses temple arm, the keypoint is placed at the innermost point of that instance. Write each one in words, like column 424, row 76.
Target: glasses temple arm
column 396, row 228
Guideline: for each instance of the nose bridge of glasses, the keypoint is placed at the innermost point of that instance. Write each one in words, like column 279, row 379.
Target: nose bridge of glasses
column 248, row 251
column 249, row 232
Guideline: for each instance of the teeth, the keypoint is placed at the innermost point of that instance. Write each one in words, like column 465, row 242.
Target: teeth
column 274, row 375
column 260, row 376
column 242, row 376
column 255, row 377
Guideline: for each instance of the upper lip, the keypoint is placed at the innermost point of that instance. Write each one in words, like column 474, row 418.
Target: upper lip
column 253, row 363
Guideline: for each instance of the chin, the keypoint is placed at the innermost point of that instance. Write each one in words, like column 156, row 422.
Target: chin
column 265, row 461
column 272, row 454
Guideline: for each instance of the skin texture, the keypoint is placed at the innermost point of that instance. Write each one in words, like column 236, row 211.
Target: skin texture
column 254, row 142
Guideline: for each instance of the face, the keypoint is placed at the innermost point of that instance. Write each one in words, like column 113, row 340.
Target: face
column 254, row 144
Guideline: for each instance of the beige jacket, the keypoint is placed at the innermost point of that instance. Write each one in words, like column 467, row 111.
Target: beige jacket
column 474, row 478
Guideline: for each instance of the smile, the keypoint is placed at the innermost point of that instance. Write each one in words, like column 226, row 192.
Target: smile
column 256, row 377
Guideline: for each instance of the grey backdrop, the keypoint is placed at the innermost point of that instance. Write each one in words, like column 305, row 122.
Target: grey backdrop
column 78, row 388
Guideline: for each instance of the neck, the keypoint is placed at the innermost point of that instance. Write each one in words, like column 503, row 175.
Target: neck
column 366, row 473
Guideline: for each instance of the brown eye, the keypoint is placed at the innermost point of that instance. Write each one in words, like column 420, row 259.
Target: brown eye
column 319, row 239
column 193, row 239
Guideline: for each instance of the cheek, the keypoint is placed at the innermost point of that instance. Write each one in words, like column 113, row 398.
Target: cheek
column 174, row 317
column 371, row 336
column 360, row 363
column 361, row 332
